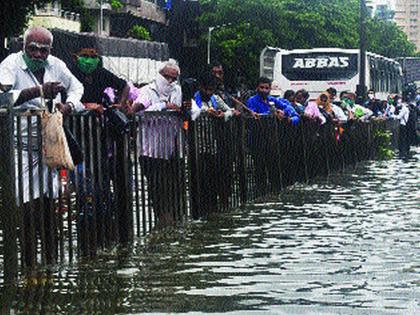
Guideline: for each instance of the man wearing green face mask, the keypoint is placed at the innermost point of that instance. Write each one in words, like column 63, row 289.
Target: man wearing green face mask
column 33, row 74
column 95, row 79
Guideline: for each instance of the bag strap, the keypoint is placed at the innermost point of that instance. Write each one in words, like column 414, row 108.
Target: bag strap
column 44, row 106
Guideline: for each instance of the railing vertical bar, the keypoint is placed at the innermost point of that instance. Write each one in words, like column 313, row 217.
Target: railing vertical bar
column 32, row 209
column 101, row 206
column 20, row 192
column 136, row 202
column 41, row 190
column 84, row 231
column 94, row 183
column 76, row 122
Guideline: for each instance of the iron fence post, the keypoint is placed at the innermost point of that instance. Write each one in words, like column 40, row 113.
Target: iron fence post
column 8, row 206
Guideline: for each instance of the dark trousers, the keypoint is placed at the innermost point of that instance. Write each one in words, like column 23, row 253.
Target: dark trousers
column 208, row 189
column 39, row 223
column 404, row 145
column 164, row 187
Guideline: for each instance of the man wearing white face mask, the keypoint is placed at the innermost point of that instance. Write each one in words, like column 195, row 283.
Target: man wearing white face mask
column 163, row 93
column 161, row 142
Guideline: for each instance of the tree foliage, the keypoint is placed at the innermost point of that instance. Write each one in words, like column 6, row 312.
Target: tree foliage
column 291, row 24
column 139, row 32
column 14, row 16
column 387, row 39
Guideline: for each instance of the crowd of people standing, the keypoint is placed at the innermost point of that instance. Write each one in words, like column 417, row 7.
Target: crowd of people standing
column 33, row 75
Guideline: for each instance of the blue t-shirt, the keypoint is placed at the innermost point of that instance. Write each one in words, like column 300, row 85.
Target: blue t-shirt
column 259, row 106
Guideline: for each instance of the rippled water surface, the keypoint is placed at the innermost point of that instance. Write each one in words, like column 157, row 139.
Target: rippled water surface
column 349, row 244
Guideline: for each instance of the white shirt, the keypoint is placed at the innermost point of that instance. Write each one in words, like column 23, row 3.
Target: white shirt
column 390, row 110
column 221, row 105
column 339, row 113
column 403, row 115
column 160, row 137
column 153, row 100
column 15, row 72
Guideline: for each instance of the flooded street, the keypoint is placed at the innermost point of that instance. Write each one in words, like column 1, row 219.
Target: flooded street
column 347, row 244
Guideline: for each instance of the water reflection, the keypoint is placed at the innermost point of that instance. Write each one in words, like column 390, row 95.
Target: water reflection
column 348, row 244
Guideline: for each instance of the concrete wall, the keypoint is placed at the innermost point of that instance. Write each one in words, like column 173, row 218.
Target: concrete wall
column 55, row 22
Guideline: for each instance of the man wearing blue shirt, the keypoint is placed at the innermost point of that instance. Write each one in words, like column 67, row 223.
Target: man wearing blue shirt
column 264, row 104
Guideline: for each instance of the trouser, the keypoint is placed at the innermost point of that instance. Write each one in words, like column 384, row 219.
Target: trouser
column 164, row 187
column 209, row 189
column 39, row 223
column 404, row 145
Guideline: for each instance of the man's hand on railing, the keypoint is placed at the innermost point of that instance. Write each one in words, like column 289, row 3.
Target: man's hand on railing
column 172, row 106
column 127, row 109
column 216, row 113
column 236, row 112
column 65, row 108
column 95, row 107
column 280, row 114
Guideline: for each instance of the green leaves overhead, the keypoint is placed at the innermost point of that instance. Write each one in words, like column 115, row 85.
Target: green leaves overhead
column 291, row 24
column 14, row 15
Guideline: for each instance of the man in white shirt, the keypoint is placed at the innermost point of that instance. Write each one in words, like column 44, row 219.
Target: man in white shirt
column 339, row 113
column 402, row 117
column 33, row 75
column 161, row 142
column 205, row 100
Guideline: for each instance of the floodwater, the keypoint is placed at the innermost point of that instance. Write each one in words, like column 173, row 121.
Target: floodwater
column 347, row 244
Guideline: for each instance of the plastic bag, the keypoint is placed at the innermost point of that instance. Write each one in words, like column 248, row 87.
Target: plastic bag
column 54, row 143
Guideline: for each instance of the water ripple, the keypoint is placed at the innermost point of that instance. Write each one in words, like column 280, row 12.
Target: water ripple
column 347, row 244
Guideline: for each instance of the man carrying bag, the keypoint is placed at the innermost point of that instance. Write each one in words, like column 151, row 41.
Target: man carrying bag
column 33, row 75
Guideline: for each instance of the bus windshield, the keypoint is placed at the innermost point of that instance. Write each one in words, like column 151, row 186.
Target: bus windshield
column 319, row 66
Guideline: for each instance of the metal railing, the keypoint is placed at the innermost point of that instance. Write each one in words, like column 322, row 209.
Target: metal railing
column 163, row 171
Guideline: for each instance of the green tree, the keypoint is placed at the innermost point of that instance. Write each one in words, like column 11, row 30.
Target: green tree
column 139, row 32
column 290, row 24
column 14, row 16
column 386, row 38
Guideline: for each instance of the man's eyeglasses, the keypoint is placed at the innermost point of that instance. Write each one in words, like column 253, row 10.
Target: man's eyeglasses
column 170, row 78
column 42, row 48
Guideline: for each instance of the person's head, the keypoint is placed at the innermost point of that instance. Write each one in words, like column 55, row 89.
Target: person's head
column 208, row 86
column 170, row 71
column 301, row 96
column 217, row 71
column 37, row 43
column 323, row 101
column 371, row 94
column 343, row 95
column 332, row 92
column 398, row 100
column 351, row 96
column 263, row 87
column 87, row 59
column 290, row 96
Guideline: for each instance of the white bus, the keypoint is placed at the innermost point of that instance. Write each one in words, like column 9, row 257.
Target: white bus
column 315, row 70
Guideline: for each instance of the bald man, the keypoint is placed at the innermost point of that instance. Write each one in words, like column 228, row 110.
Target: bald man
column 34, row 75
